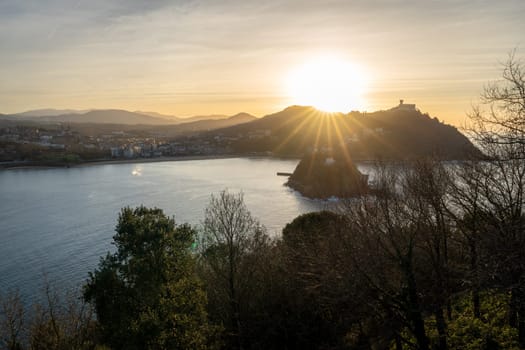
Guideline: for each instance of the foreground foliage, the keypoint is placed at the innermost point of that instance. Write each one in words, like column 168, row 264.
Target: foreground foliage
column 146, row 294
column 59, row 321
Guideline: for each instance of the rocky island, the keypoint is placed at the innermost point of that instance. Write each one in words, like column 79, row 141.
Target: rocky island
column 321, row 175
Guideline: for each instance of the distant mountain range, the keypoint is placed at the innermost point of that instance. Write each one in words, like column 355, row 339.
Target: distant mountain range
column 113, row 116
column 398, row 133
column 185, row 119
column 48, row 112
column 204, row 125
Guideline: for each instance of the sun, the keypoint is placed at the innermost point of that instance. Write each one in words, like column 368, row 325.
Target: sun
column 328, row 84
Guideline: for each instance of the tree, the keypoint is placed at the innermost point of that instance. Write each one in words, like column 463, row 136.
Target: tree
column 146, row 294
column 402, row 247
column 500, row 118
column 61, row 321
column 427, row 186
column 386, row 253
column 11, row 321
column 325, row 300
column 497, row 188
column 230, row 237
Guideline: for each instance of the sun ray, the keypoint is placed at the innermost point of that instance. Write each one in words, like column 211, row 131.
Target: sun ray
column 329, row 134
column 304, row 116
column 316, row 142
column 318, row 136
column 375, row 137
column 342, row 144
column 329, row 84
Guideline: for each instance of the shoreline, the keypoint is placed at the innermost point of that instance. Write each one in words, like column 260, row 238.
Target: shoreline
column 57, row 165
column 154, row 160
column 29, row 165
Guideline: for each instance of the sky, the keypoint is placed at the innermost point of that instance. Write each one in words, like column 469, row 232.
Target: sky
column 195, row 57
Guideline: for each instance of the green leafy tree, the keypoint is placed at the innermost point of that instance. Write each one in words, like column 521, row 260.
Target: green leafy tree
column 467, row 331
column 146, row 294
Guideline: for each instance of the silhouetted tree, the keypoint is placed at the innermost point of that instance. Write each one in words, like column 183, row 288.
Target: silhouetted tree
column 500, row 118
column 12, row 316
column 59, row 322
column 327, row 294
column 230, row 236
column 426, row 187
column 498, row 126
column 386, row 253
column 62, row 322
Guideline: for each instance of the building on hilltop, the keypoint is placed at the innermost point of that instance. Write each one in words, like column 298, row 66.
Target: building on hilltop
column 406, row 106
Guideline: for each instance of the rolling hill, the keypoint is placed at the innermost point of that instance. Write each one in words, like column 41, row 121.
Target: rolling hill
column 205, row 125
column 111, row 116
column 401, row 132
column 48, row 112
column 106, row 116
column 397, row 133
column 176, row 119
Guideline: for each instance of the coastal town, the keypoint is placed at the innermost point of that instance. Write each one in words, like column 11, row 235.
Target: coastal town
column 364, row 135
column 69, row 144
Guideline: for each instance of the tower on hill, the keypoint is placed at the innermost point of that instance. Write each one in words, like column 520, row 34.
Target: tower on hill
column 406, row 106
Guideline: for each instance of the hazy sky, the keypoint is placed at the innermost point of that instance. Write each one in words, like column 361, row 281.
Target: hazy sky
column 226, row 56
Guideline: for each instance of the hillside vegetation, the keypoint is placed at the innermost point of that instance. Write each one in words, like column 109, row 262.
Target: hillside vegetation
column 392, row 134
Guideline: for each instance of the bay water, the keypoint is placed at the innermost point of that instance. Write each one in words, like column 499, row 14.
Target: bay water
column 55, row 224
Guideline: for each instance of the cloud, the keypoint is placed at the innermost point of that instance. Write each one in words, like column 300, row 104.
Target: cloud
column 51, row 23
column 89, row 7
column 36, row 25
column 82, row 46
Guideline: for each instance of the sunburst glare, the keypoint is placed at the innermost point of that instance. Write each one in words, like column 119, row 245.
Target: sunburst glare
column 329, row 84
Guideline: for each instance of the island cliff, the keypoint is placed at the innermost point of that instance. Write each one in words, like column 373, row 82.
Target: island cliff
column 321, row 175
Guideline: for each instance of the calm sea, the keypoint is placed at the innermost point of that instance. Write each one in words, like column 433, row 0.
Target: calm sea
column 56, row 223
